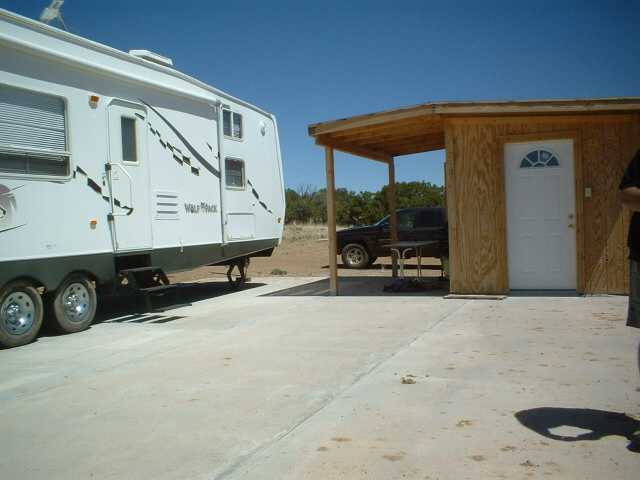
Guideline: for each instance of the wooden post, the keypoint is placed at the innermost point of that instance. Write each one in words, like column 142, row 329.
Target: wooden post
column 331, row 222
column 393, row 218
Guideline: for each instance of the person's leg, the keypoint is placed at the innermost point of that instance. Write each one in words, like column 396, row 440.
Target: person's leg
column 633, row 318
column 638, row 357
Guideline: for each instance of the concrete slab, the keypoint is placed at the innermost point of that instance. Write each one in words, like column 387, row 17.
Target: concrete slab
column 249, row 385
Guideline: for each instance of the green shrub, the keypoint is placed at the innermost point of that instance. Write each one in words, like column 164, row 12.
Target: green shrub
column 309, row 205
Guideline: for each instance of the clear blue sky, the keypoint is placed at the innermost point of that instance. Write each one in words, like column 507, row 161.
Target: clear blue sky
column 313, row 61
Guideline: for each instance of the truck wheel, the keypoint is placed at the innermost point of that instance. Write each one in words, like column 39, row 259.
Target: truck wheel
column 355, row 255
column 20, row 313
column 73, row 305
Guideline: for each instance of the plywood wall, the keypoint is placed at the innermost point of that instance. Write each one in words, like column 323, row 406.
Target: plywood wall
column 604, row 145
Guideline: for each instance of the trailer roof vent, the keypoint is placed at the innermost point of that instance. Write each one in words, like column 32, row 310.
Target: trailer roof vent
column 152, row 57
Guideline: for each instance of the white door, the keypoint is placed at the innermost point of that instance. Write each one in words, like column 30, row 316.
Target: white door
column 129, row 176
column 541, row 235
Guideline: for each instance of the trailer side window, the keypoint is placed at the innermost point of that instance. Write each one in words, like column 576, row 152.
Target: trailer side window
column 237, row 125
column 226, row 122
column 33, row 138
column 129, row 145
column 232, row 124
column 234, row 172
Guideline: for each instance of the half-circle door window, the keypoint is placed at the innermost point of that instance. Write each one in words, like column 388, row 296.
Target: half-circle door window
column 539, row 158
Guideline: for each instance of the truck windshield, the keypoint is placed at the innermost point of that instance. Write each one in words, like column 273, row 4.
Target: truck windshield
column 383, row 223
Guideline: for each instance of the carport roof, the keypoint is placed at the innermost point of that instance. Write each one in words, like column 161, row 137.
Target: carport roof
column 420, row 128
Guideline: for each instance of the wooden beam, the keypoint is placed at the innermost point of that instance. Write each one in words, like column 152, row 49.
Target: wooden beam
column 433, row 110
column 369, row 120
column 451, row 152
column 331, row 222
column 414, row 124
column 359, row 151
column 372, row 142
column 428, row 141
column 497, row 120
column 553, row 107
column 408, row 149
column 412, row 150
column 393, row 217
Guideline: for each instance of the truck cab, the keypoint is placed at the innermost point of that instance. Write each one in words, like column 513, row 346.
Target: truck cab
column 361, row 246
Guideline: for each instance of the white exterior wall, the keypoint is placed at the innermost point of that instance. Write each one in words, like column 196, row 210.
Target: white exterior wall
column 167, row 175
column 262, row 168
column 54, row 215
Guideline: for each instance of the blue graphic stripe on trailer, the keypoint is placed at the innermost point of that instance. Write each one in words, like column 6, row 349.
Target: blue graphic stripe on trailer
column 12, row 228
column 95, row 186
column 177, row 154
column 186, row 143
column 255, row 194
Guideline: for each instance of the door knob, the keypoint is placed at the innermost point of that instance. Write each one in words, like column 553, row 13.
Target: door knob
column 571, row 225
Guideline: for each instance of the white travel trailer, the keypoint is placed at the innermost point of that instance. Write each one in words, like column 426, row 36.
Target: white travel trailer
column 116, row 166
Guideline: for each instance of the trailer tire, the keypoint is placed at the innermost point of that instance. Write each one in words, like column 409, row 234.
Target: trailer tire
column 21, row 313
column 73, row 305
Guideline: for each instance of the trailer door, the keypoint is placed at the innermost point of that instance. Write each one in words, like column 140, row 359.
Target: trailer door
column 129, row 176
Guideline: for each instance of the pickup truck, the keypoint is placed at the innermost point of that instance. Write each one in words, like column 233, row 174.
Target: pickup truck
column 360, row 247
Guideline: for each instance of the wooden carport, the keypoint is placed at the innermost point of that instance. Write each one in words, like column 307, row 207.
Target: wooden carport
column 433, row 126
column 381, row 137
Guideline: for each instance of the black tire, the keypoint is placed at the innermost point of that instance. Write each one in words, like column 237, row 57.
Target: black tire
column 73, row 305
column 372, row 260
column 21, row 313
column 355, row 255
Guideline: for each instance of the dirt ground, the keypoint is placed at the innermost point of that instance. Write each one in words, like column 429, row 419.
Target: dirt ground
column 303, row 252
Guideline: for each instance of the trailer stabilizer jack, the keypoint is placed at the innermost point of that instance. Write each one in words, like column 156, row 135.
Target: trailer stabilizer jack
column 242, row 264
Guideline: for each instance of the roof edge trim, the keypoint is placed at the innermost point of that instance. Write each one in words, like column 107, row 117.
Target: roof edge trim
column 481, row 108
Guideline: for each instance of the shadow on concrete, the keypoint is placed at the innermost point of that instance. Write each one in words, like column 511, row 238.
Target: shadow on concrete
column 181, row 295
column 133, row 308
column 367, row 286
column 594, row 424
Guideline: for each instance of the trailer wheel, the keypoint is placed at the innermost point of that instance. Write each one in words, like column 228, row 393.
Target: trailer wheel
column 20, row 313
column 73, row 305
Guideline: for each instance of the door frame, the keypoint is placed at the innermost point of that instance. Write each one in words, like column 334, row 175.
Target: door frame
column 115, row 101
column 578, row 176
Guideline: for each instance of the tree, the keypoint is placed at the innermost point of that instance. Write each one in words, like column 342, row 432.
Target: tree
column 415, row 194
column 307, row 204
